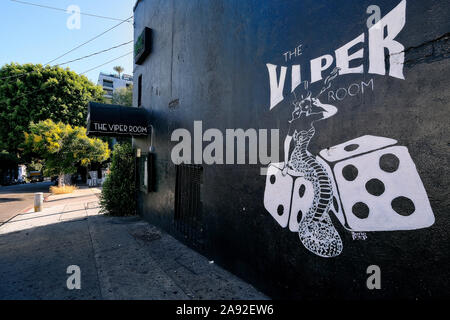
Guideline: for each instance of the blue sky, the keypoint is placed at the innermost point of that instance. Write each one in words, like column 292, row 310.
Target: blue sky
column 30, row 34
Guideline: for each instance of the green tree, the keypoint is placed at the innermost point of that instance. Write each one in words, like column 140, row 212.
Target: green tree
column 118, row 69
column 34, row 93
column 123, row 96
column 119, row 188
column 35, row 165
column 63, row 147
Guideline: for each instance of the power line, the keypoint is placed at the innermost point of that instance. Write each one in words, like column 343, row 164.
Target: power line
column 107, row 63
column 78, row 59
column 90, row 40
column 70, row 51
column 64, row 10
column 96, row 53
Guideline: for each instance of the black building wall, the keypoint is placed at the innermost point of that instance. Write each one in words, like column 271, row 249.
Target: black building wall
column 208, row 63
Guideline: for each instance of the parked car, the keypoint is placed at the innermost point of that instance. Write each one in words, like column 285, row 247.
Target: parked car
column 36, row 176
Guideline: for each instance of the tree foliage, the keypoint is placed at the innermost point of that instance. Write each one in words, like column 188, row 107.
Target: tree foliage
column 118, row 69
column 119, row 188
column 63, row 147
column 35, row 165
column 34, row 93
column 123, row 96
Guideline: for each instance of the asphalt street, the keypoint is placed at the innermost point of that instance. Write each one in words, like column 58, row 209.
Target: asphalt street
column 15, row 199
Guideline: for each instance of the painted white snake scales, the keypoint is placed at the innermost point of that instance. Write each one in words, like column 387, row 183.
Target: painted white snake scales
column 316, row 230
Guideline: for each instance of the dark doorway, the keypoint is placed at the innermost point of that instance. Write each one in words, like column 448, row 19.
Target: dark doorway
column 188, row 205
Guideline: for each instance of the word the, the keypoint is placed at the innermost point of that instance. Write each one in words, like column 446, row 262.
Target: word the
column 236, row 142
column 74, row 21
column 353, row 90
column 297, row 52
column 381, row 36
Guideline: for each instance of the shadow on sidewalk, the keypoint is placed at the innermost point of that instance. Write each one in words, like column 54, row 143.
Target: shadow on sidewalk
column 119, row 258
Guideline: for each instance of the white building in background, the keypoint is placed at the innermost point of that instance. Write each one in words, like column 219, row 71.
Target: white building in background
column 22, row 173
column 112, row 82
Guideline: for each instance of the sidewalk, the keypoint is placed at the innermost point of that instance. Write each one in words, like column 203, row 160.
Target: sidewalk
column 119, row 258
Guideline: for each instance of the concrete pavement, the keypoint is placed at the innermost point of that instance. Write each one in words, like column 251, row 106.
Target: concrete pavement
column 119, row 258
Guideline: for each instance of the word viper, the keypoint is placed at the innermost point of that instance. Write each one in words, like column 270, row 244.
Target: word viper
column 381, row 36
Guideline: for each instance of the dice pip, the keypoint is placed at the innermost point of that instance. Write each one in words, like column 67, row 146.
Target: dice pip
column 378, row 185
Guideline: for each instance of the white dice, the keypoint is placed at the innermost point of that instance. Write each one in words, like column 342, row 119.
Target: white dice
column 378, row 186
column 355, row 147
column 278, row 192
column 288, row 197
column 302, row 200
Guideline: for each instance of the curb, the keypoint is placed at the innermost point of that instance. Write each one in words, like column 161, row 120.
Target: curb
column 23, row 211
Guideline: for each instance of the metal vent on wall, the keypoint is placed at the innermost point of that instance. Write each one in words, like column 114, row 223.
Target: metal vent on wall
column 188, row 205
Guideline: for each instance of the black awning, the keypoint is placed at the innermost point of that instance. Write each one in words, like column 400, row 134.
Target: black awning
column 114, row 120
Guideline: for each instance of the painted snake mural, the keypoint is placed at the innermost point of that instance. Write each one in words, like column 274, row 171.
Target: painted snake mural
column 316, row 230
column 369, row 183
column 303, row 190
